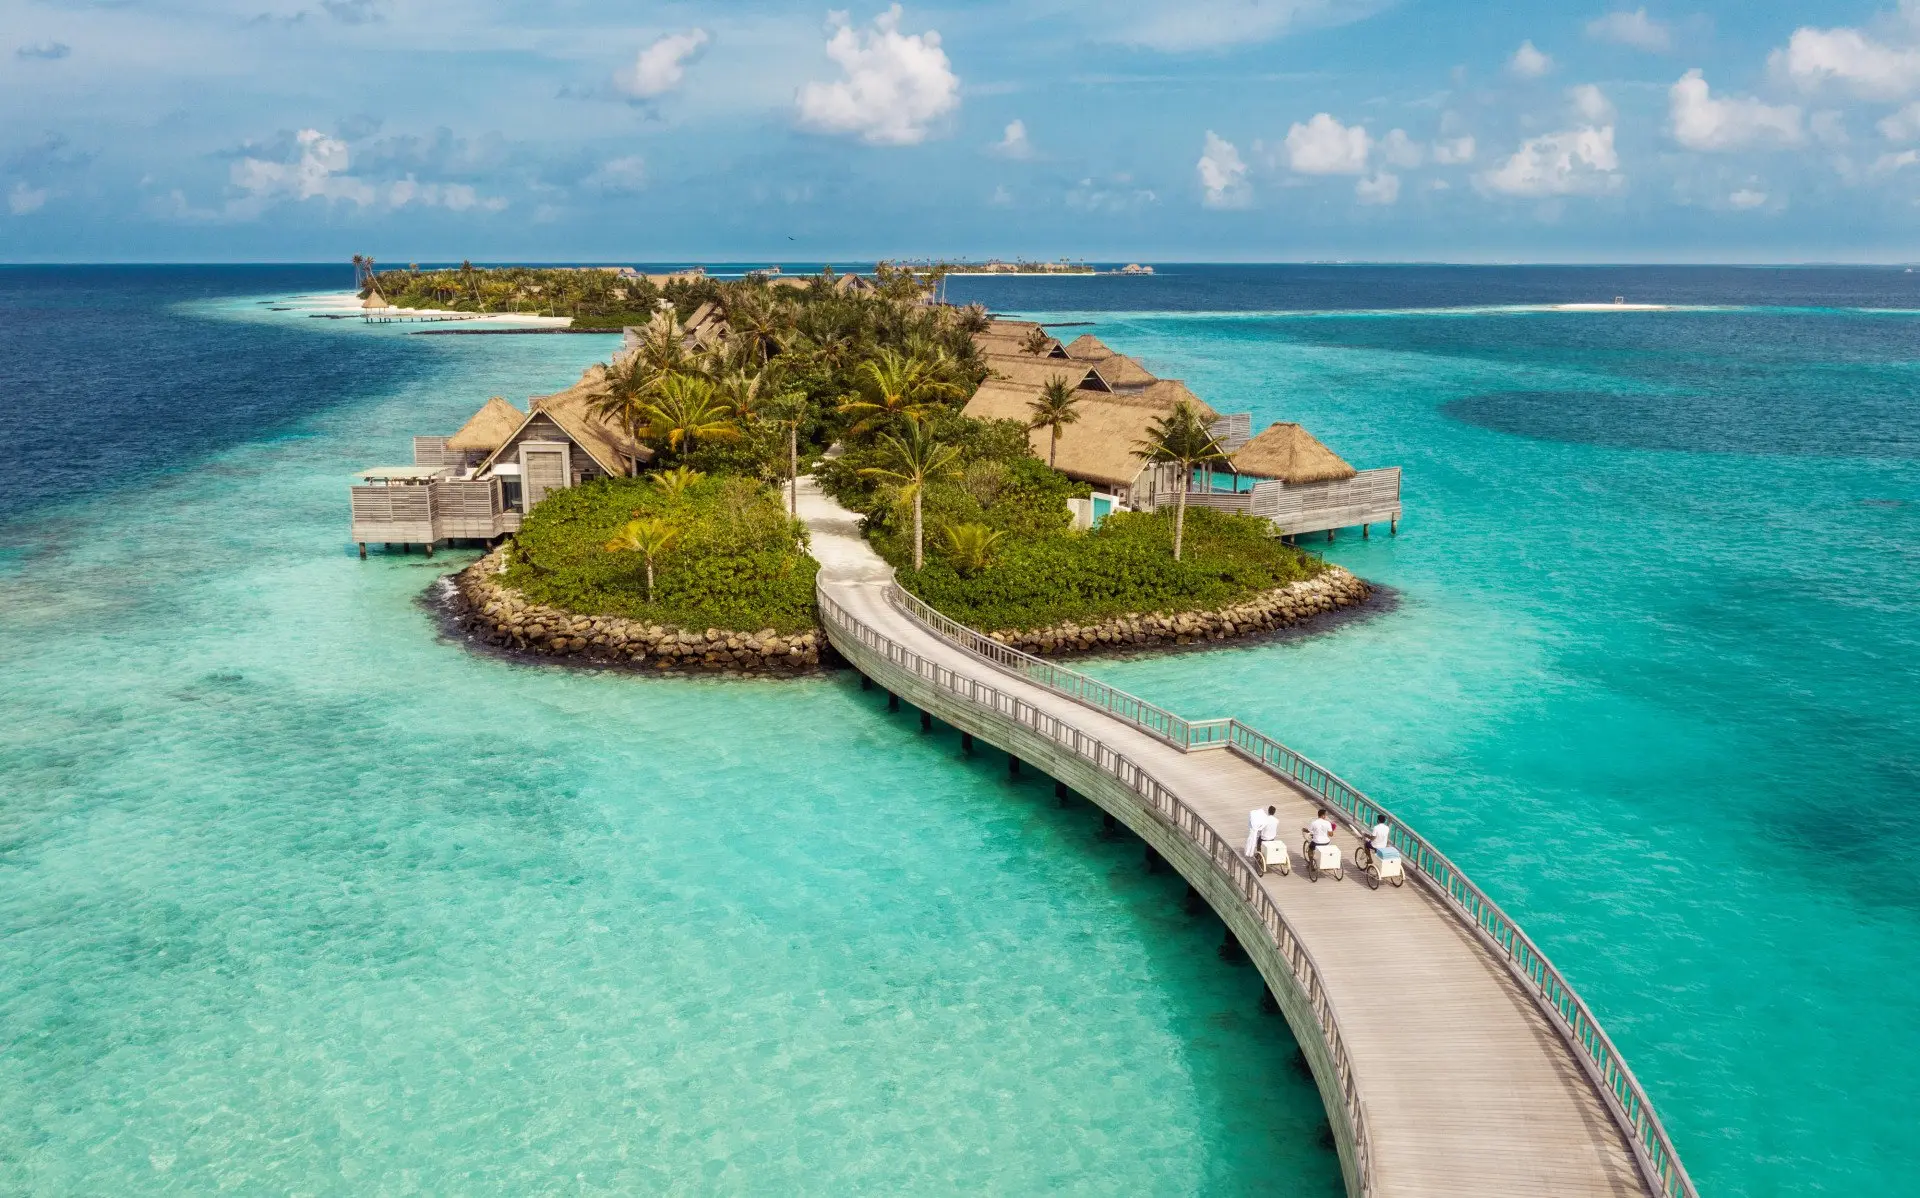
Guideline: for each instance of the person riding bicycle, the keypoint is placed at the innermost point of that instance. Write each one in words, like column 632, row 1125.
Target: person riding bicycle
column 1377, row 842
column 1319, row 832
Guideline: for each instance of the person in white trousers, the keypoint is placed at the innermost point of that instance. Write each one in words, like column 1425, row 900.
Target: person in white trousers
column 1262, row 824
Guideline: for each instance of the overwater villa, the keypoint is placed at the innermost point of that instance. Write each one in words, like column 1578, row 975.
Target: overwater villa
column 480, row 482
column 1285, row 474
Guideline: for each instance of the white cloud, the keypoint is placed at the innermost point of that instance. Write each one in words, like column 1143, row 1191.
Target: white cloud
column 1383, row 187
column 1701, row 122
column 1401, row 151
column 1223, row 173
column 1591, row 103
column 1528, row 62
column 1001, row 197
column 1634, row 29
column 896, row 84
column 1886, row 164
column 318, row 171
column 662, row 66
column 619, row 176
column 1013, row 142
column 1901, row 125
column 1747, row 197
column 1185, row 25
column 1451, row 151
column 1571, row 162
column 1116, row 194
column 1324, row 146
column 1869, row 68
column 23, row 199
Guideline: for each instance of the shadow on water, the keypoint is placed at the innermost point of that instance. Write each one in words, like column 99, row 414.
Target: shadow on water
column 1235, row 1045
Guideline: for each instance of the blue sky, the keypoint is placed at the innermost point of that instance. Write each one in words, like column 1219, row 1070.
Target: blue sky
column 1216, row 130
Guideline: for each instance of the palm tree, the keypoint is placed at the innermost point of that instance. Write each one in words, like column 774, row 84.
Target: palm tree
column 789, row 407
column 741, row 392
column 895, row 385
column 1057, row 406
column 1037, row 341
column 649, row 536
column 687, row 412
column 911, row 462
column 753, row 313
column 677, row 481
column 1182, row 439
column 970, row 545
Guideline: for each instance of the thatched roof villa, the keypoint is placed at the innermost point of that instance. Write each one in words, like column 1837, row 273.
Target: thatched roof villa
column 1297, row 482
column 479, row 483
column 1291, row 454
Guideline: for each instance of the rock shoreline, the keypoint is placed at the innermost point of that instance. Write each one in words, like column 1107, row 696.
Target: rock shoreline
column 1270, row 611
column 500, row 616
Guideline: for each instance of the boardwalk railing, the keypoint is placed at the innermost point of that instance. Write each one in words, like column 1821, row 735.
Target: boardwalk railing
column 1624, row 1097
column 1225, row 857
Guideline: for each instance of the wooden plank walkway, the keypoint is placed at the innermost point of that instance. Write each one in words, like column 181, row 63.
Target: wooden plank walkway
column 1468, row 1088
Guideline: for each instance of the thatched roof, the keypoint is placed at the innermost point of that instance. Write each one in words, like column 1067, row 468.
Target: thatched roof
column 1122, row 371
column 573, row 410
column 994, row 343
column 1292, row 455
column 1100, row 446
column 1010, row 328
column 1086, row 345
column 375, row 300
column 1036, row 372
column 489, row 428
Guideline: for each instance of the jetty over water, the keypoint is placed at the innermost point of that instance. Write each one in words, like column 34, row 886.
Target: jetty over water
column 1452, row 1058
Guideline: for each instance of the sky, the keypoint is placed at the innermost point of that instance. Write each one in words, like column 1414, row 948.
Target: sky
column 1117, row 130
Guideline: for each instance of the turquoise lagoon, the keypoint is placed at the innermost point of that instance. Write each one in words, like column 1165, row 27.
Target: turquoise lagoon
column 300, row 896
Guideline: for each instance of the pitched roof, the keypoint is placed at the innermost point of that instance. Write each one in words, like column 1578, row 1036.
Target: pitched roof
column 997, row 343
column 1122, row 371
column 375, row 300
column 1027, row 370
column 1086, row 345
column 1101, row 445
column 573, row 410
column 1291, row 454
column 489, row 428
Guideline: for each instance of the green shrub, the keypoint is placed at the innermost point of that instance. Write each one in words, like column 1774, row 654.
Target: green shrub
column 1125, row 565
column 740, row 562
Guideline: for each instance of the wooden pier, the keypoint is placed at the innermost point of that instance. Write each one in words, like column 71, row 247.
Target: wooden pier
column 1453, row 1059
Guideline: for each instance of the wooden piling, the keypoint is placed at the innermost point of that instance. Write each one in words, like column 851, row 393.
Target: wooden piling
column 1013, row 766
column 926, row 722
column 966, row 742
column 893, row 701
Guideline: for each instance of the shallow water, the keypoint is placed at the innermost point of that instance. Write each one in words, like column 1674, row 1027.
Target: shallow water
column 1664, row 705
column 300, row 897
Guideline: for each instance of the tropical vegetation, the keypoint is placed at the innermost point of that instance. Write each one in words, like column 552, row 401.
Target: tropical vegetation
column 736, row 407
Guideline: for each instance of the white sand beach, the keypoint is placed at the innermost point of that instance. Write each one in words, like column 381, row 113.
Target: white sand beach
column 347, row 302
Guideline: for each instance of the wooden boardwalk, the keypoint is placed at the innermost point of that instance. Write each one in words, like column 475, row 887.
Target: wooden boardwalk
column 1447, row 1068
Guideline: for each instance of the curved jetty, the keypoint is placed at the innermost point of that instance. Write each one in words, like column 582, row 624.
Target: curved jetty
column 1451, row 1056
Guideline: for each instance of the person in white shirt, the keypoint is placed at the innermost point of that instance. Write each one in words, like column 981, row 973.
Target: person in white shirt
column 1379, row 842
column 1320, row 831
column 1261, row 825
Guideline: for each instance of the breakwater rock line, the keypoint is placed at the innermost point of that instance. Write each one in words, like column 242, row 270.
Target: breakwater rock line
column 1270, row 611
column 500, row 616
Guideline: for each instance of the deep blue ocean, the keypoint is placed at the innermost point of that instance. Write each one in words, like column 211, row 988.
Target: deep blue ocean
column 297, row 896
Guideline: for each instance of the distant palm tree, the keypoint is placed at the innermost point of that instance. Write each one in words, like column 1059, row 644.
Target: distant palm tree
column 1037, row 341
column 911, row 462
column 677, row 481
column 649, row 536
column 893, row 385
column 753, row 313
column 970, row 545
column 1057, row 406
column 1182, row 439
column 686, row 411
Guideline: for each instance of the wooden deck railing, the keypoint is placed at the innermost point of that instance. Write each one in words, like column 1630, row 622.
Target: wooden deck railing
column 1631, row 1107
column 1223, row 855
